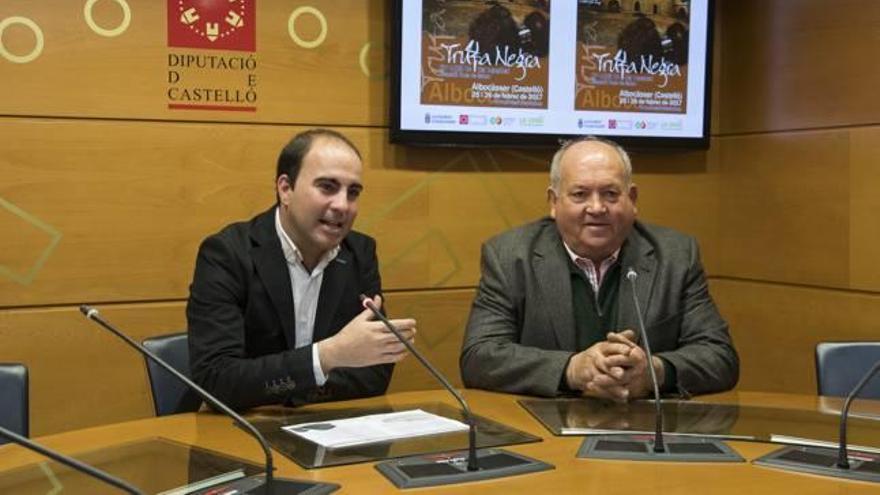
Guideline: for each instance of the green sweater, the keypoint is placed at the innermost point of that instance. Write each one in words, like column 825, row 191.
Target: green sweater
column 594, row 316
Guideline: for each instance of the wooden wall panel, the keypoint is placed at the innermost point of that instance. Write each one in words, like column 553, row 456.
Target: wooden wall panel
column 430, row 231
column 81, row 73
column 681, row 190
column 129, row 201
column 114, row 211
column 784, row 214
column 798, row 181
column 776, row 328
column 442, row 317
column 797, row 65
column 864, row 208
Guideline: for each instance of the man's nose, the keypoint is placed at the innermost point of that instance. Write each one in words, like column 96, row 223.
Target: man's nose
column 594, row 205
column 340, row 201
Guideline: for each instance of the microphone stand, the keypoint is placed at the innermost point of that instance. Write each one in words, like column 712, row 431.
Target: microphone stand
column 631, row 275
column 405, row 473
column 634, row 447
column 842, row 455
column 826, row 461
column 472, row 426
column 270, row 484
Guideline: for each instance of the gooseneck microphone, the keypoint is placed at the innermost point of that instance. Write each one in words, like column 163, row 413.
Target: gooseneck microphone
column 472, row 427
column 826, row 461
column 631, row 275
column 271, row 484
column 442, row 469
column 638, row 447
column 69, row 461
column 842, row 455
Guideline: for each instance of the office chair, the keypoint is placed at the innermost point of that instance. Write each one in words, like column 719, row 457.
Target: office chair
column 14, row 398
column 840, row 366
column 170, row 395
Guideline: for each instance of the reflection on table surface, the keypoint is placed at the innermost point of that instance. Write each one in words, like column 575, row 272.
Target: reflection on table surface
column 579, row 416
column 585, row 415
column 152, row 465
column 216, row 433
column 310, row 455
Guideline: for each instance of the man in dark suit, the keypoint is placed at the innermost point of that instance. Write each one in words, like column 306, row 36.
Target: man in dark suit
column 554, row 311
column 274, row 311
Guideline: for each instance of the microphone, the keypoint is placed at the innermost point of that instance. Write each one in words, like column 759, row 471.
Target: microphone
column 637, row 446
column 69, row 461
column 433, row 470
column 270, row 484
column 631, row 275
column 842, row 455
column 827, row 461
column 472, row 427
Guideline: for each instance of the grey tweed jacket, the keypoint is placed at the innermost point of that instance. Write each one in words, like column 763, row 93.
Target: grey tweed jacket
column 521, row 330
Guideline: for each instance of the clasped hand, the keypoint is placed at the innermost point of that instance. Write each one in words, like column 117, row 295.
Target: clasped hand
column 614, row 369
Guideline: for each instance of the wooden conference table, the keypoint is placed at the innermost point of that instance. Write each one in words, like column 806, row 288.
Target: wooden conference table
column 571, row 475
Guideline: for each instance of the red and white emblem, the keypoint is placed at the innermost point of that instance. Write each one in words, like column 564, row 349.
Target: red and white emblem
column 212, row 24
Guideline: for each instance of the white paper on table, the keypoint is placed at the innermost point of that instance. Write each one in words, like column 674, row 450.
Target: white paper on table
column 375, row 428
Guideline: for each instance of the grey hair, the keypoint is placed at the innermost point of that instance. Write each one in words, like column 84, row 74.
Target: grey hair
column 556, row 173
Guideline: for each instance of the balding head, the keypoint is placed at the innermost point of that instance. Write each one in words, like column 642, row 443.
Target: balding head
column 555, row 163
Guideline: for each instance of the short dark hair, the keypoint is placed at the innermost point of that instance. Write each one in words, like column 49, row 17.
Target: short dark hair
column 291, row 157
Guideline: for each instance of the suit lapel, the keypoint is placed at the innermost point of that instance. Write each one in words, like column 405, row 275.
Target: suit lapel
column 332, row 290
column 637, row 254
column 272, row 269
column 554, row 286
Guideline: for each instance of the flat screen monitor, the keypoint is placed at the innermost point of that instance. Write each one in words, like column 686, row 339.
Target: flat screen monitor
column 532, row 72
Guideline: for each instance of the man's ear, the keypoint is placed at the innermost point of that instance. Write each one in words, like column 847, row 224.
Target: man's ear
column 634, row 196
column 283, row 188
column 551, row 200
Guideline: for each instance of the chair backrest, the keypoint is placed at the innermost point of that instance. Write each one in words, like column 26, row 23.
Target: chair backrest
column 14, row 398
column 170, row 395
column 840, row 366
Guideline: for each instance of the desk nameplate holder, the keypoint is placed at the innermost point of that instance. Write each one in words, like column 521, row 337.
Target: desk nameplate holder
column 640, row 448
column 840, row 462
column 451, row 467
column 823, row 461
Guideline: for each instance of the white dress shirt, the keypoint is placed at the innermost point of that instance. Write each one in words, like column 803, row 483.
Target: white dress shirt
column 306, row 287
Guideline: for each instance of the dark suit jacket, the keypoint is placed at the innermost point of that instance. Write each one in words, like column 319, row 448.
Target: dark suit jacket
column 521, row 331
column 241, row 321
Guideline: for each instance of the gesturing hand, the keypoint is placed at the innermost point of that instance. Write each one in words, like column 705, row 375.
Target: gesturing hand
column 365, row 342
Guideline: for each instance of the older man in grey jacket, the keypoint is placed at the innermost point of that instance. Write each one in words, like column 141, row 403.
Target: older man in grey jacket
column 554, row 311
